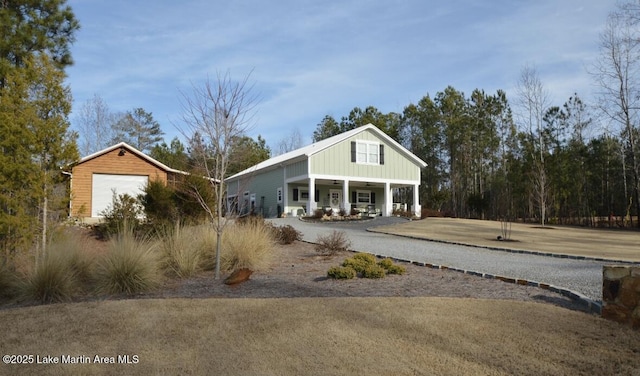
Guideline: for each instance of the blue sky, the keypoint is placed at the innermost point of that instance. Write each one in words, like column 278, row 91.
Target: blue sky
column 309, row 59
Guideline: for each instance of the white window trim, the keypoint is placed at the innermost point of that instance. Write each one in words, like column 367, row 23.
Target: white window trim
column 369, row 144
column 358, row 197
column 303, row 190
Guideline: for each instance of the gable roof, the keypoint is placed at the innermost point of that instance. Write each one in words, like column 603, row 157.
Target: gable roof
column 132, row 150
column 317, row 147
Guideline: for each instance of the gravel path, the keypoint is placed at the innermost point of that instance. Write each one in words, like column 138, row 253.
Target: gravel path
column 581, row 276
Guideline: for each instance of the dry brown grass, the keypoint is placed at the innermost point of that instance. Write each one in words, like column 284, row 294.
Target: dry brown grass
column 248, row 246
column 339, row 336
column 598, row 243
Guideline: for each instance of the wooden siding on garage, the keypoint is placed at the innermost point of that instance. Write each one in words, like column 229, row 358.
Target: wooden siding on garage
column 108, row 163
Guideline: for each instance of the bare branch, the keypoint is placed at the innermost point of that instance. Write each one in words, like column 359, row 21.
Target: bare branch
column 215, row 114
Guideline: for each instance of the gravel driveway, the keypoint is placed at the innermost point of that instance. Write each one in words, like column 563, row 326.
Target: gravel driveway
column 581, row 276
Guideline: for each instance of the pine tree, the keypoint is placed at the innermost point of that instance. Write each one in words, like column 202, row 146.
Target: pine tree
column 138, row 129
column 35, row 37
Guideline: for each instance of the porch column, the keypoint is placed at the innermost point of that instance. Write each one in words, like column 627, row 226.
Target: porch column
column 285, row 199
column 388, row 199
column 311, row 203
column 345, row 196
column 416, row 202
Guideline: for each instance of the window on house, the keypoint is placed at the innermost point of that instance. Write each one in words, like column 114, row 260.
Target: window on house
column 364, row 197
column 367, row 152
column 304, row 195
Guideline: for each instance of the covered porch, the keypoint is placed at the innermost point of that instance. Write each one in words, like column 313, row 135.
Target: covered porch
column 371, row 198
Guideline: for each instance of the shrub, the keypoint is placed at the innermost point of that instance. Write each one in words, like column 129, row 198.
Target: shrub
column 365, row 265
column 342, row 212
column 182, row 255
column 131, row 265
column 390, row 267
column 396, row 269
column 159, row 202
column 355, row 264
column 386, row 263
column 374, row 271
column 360, row 261
column 287, row 234
column 124, row 211
column 341, row 272
column 366, row 257
column 332, row 243
column 246, row 246
column 318, row 213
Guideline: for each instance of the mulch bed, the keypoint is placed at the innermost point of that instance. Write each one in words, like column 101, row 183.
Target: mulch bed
column 297, row 270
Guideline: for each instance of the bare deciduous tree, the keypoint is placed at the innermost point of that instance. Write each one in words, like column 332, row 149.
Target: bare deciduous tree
column 617, row 72
column 94, row 123
column 533, row 102
column 218, row 112
column 292, row 142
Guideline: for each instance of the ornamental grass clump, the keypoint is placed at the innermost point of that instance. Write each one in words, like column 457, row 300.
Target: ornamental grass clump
column 247, row 246
column 51, row 281
column 64, row 271
column 181, row 252
column 130, row 266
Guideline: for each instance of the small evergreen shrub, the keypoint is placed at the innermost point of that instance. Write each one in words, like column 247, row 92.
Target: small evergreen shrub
column 332, row 243
column 374, row 271
column 366, row 257
column 359, row 265
column 318, row 213
column 396, row 269
column 365, row 265
column 341, row 272
column 124, row 211
column 160, row 203
column 386, row 263
column 391, row 268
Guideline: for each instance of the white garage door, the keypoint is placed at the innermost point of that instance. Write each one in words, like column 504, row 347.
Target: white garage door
column 104, row 185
